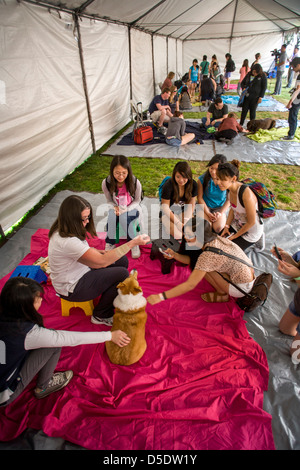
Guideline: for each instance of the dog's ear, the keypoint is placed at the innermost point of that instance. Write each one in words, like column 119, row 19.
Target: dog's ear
column 121, row 284
column 136, row 290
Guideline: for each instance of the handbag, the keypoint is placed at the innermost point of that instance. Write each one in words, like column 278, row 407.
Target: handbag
column 261, row 286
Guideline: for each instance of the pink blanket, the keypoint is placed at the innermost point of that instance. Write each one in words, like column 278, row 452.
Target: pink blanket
column 198, row 386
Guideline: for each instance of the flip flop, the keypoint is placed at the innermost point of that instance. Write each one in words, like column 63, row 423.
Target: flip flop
column 213, row 297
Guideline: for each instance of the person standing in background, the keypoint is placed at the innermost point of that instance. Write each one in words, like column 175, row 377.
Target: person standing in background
column 280, row 64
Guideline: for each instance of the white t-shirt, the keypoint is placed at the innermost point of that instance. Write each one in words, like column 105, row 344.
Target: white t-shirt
column 63, row 260
column 240, row 218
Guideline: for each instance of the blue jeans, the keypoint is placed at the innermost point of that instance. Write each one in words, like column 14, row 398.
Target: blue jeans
column 293, row 119
column 174, row 142
column 277, row 90
column 216, row 124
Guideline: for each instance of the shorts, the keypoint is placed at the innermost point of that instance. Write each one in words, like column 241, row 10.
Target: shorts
column 156, row 115
column 234, row 292
column 227, row 74
column 173, row 141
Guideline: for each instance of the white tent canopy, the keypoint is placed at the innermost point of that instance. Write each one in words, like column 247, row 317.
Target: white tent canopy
column 68, row 72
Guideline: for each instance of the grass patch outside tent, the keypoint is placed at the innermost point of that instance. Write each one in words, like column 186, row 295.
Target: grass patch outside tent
column 282, row 180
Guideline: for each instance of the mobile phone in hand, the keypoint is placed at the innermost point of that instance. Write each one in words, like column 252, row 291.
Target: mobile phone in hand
column 164, row 252
column 277, row 252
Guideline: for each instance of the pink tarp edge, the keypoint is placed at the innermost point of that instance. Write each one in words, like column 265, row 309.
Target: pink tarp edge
column 198, row 386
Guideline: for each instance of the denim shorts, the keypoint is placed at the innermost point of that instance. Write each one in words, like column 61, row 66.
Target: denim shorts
column 227, row 74
column 173, row 142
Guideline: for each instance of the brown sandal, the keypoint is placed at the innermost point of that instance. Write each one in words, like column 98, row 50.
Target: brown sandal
column 217, row 297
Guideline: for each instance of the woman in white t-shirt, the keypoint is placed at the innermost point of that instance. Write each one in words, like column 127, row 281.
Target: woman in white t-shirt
column 80, row 272
column 243, row 225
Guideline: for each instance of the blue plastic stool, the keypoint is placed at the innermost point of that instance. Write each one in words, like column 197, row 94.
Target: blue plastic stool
column 33, row 272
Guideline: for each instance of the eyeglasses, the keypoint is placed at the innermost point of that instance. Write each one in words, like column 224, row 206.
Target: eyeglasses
column 86, row 218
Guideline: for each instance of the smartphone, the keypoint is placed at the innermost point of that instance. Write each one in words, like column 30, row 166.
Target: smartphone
column 164, row 252
column 277, row 252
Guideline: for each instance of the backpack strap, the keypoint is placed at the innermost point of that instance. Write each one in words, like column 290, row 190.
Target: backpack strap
column 241, row 192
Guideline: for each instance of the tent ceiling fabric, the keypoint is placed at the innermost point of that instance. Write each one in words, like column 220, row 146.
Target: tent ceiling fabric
column 194, row 19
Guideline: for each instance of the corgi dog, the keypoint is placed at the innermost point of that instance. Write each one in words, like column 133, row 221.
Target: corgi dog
column 130, row 316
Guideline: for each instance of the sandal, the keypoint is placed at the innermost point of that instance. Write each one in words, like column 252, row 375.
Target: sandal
column 212, row 297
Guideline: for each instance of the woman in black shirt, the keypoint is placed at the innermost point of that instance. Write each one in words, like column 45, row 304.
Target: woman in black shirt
column 256, row 82
column 178, row 199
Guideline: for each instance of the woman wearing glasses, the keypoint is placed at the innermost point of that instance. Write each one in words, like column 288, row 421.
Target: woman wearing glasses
column 123, row 192
column 80, row 272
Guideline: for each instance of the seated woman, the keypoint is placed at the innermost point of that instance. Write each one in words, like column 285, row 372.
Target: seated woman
column 215, row 202
column 178, row 199
column 176, row 135
column 173, row 100
column 123, row 192
column 243, row 225
column 290, row 322
column 229, row 129
column 185, row 99
column 79, row 272
column 168, row 81
column 32, row 349
column 205, row 266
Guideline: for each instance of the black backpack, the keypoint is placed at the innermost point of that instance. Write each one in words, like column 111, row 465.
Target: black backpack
column 230, row 66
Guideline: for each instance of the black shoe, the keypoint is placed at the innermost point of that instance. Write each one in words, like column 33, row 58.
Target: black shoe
column 288, row 137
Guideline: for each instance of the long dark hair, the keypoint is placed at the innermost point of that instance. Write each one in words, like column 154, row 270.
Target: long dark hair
column 185, row 170
column 69, row 223
column 218, row 158
column 130, row 180
column 17, row 298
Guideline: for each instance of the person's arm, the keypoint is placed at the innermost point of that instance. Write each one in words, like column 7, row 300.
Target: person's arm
column 195, row 277
column 165, row 207
column 250, row 202
column 181, row 258
column 262, row 88
column 95, row 260
column 40, row 337
column 208, row 117
column 293, row 97
column 226, row 230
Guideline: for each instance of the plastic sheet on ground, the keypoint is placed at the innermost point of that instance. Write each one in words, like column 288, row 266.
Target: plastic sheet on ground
column 281, row 400
column 242, row 148
column 268, row 104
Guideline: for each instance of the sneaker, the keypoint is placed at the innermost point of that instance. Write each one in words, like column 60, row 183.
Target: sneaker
column 102, row 321
column 135, row 252
column 58, row 381
column 288, row 137
column 260, row 244
column 109, row 246
column 162, row 130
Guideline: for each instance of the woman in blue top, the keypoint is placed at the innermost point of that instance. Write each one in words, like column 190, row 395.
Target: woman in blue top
column 215, row 202
column 194, row 74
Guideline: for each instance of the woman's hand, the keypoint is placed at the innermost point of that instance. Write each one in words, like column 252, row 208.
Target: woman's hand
column 120, row 338
column 171, row 253
column 141, row 239
column 225, row 232
column 288, row 269
column 284, row 255
column 154, row 299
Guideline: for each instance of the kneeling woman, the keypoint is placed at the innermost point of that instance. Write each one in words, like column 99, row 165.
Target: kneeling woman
column 32, row 349
column 80, row 272
column 243, row 225
column 203, row 265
